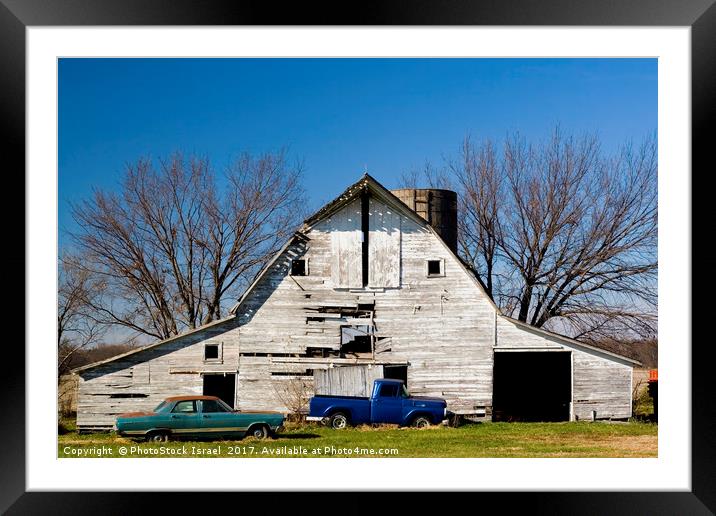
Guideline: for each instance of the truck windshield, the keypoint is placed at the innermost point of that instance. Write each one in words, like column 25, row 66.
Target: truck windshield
column 404, row 392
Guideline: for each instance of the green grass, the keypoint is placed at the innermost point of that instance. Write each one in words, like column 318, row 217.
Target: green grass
column 576, row 439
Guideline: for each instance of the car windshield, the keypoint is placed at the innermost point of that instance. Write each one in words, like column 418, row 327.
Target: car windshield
column 404, row 392
column 161, row 406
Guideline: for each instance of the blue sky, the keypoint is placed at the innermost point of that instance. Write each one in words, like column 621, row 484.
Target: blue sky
column 337, row 115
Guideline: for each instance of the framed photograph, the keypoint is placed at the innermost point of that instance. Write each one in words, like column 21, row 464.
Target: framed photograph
column 362, row 159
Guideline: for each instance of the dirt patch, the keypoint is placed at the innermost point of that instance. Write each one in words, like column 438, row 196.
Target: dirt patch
column 617, row 446
column 639, row 445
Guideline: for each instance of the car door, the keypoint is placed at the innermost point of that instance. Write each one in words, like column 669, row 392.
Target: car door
column 184, row 418
column 217, row 419
column 387, row 405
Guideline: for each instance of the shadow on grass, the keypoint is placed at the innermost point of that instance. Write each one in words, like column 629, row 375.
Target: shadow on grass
column 297, row 436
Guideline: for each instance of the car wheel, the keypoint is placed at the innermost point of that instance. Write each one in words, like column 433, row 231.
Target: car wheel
column 338, row 421
column 259, row 432
column 158, row 437
column 421, row 422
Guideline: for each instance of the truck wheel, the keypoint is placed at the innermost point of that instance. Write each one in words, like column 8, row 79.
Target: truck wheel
column 259, row 432
column 338, row 421
column 158, row 437
column 421, row 422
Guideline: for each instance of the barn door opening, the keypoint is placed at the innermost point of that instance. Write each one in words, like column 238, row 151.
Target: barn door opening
column 222, row 386
column 399, row 372
column 532, row 386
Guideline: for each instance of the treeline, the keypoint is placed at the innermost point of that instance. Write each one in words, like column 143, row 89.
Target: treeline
column 96, row 353
column 645, row 351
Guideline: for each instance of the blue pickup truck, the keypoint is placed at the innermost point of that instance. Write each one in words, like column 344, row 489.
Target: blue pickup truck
column 388, row 403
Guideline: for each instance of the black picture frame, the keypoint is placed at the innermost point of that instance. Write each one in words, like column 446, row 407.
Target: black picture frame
column 700, row 15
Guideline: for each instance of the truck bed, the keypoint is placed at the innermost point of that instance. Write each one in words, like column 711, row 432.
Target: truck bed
column 357, row 408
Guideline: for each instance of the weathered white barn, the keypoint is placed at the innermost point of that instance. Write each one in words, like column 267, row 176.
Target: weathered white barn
column 370, row 286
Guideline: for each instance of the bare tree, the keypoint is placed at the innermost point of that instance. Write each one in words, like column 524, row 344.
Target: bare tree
column 429, row 174
column 173, row 243
column 561, row 234
column 294, row 393
column 479, row 176
column 77, row 328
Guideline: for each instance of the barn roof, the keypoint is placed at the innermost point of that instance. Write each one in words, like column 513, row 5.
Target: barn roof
column 366, row 182
column 570, row 341
column 150, row 346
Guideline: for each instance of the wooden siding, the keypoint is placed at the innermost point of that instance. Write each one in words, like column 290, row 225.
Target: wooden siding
column 443, row 327
column 142, row 380
column 346, row 247
column 599, row 383
column 384, row 251
column 348, row 380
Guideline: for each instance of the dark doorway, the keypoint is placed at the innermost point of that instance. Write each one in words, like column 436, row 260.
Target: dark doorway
column 532, row 386
column 222, row 386
column 396, row 373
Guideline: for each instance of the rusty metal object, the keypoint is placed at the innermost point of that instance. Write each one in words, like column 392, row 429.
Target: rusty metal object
column 438, row 207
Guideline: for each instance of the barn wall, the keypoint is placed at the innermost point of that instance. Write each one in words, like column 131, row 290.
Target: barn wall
column 599, row 382
column 141, row 380
column 288, row 328
column 442, row 326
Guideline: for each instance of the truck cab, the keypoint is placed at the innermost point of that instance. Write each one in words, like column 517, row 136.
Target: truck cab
column 389, row 402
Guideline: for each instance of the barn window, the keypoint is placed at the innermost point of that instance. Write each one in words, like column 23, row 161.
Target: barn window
column 299, row 267
column 435, row 268
column 211, row 352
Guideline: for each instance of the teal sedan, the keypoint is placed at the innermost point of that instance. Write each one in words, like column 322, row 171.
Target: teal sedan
column 197, row 417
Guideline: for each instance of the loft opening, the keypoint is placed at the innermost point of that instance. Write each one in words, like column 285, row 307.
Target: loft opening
column 356, row 341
